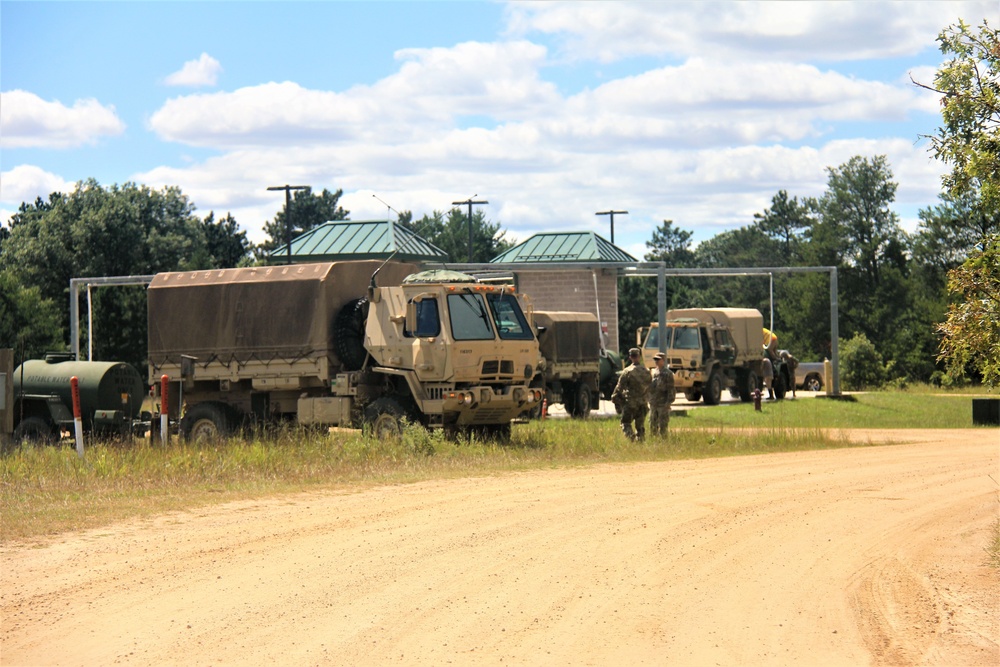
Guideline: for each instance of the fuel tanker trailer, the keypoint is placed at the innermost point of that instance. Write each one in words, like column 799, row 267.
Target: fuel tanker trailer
column 111, row 396
column 356, row 343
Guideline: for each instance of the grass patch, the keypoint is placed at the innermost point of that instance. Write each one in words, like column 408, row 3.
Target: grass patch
column 873, row 410
column 45, row 491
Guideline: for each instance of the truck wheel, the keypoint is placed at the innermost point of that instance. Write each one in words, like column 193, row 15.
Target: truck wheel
column 349, row 334
column 780, row 386
column 583, row 401
column 749, row 384
column 384, row 417
column 813, row 383
column 205, row 423
column 713, row 390
column 692, row 395
column 35, row 431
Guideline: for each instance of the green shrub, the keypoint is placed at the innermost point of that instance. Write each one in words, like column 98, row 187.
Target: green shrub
column 861, row 365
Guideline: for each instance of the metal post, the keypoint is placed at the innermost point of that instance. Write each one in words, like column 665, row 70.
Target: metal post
column 612, row 214
column 288, row 213
column 834, row 332
column 470, row 203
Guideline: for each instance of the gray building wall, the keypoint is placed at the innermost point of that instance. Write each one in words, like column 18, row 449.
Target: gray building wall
column 573, row 290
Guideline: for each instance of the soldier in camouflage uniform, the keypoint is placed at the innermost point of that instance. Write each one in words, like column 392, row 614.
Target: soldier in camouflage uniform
column 661, row 395
column 631, row 396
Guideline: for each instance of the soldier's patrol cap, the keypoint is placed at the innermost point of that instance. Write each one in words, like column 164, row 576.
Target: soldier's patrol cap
column 658, row 355
column 634, row 352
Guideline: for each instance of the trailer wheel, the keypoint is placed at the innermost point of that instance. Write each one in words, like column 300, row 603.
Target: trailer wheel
column 206, row 422
column 748, row 386
column 713, row 390
column 35, row 431
column 349, row 334
column 582, row 402
column 385, row 416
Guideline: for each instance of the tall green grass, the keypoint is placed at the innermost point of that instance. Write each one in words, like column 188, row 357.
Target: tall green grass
column 49, row 490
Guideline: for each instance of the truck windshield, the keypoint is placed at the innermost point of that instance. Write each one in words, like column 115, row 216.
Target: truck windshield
column 469, row 320
column 508, row 317
column 686, row 338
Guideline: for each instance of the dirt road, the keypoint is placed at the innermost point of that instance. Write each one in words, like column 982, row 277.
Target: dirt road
column 873, row 555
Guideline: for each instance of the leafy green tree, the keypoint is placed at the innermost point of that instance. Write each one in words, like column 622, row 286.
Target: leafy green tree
column 859, row 232
column 28, row 322
column 971, row 332
column 969, row 138
column 451, row 234
column 308, row 210
column 227, row 245
column 786, row 221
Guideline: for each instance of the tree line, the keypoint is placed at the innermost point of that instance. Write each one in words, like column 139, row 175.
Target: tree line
column 923, row 305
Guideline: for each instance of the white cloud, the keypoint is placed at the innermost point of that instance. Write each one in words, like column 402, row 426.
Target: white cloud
column 196, row 73
column 28, row 121
column 432, row 91
column 814, row 31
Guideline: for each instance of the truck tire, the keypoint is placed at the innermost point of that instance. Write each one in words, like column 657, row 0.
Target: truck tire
column 206, row 423
column 384, row 417
column 813, row 382
column 749, row 383
column 35, row 431
column 713, row 389
column 349, row 334
column 582, row 401
column 780, row 386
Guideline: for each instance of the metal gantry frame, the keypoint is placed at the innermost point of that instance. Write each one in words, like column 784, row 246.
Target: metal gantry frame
column 75, row 284
column 626, row 269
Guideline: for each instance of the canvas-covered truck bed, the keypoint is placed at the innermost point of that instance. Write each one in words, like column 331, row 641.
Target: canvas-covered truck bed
column 257, row 322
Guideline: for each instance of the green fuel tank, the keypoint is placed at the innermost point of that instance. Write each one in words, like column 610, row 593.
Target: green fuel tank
column 106, row 387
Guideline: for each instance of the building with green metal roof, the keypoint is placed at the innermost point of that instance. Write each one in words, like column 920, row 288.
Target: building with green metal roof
column 551, row 247
column 340, row 240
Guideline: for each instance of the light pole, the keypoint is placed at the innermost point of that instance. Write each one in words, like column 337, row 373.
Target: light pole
column 288, row 213
column 612, row 214
column 470, row 203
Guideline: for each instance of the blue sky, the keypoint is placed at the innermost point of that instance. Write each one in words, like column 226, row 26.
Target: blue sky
column 697, row 112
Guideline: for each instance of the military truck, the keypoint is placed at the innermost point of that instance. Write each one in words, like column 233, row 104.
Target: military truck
column 712, row 349
column 350, row 343
column 574, row 369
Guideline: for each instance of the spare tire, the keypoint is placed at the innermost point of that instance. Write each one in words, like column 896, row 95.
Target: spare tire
column 349, row 334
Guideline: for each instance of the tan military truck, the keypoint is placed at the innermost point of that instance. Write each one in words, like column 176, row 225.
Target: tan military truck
column 342, row 343
column 574, row 369
column 712, row 349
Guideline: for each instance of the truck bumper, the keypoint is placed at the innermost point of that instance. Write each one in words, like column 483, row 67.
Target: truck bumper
column 484, row 405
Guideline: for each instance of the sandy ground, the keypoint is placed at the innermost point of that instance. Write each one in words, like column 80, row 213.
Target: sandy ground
column 872, row 555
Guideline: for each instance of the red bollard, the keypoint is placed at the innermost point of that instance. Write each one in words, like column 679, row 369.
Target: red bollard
column 164, row 409
column 74, row 386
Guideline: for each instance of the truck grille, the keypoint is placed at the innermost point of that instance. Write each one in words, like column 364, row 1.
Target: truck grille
column 496, row 367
